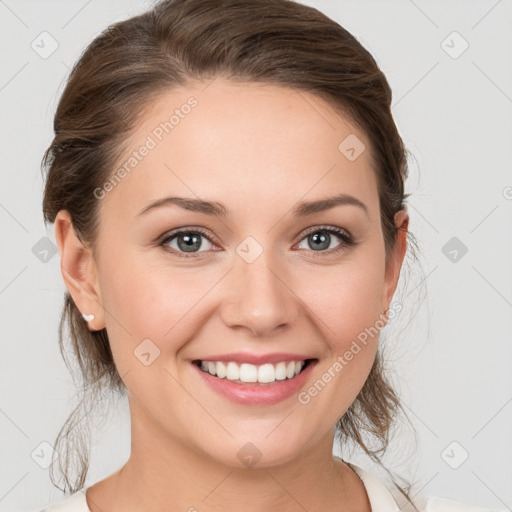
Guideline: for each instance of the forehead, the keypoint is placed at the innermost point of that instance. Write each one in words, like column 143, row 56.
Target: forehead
column 241, row 142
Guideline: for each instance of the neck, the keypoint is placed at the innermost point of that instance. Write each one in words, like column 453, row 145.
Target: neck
column 162, row 473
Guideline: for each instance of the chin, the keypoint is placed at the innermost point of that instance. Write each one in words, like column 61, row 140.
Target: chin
column 257, row 454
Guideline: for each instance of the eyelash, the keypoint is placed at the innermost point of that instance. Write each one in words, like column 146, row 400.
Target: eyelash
column 346, row 239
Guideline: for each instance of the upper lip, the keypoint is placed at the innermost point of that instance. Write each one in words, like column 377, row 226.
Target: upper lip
column 241, row 357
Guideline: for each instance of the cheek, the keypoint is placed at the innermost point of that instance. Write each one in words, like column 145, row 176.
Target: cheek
column 144, row 300
column 346, row 306
column 346, row 299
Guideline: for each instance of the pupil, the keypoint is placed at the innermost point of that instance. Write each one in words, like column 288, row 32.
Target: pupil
column 189, row 243
column 323, row 239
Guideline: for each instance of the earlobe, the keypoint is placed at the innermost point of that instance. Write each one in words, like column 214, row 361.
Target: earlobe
column 79, row 271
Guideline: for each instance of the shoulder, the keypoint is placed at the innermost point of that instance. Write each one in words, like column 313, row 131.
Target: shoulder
column 387, row 499
column 74, row 503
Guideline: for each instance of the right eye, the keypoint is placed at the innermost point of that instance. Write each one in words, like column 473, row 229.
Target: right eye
column 186, row 242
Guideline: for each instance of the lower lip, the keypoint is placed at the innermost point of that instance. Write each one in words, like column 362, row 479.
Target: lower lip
column 257, row 394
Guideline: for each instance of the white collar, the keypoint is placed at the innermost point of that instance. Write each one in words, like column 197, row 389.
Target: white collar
column 381, row 499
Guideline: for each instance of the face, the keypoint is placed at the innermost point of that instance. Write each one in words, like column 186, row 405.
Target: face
column 250, row 265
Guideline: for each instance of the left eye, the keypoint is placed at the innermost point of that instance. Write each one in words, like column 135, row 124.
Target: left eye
column 323, row 239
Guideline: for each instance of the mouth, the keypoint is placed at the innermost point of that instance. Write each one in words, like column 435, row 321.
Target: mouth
column 245, row 373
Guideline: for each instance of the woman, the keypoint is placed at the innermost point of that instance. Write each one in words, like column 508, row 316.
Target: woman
column 227, row 187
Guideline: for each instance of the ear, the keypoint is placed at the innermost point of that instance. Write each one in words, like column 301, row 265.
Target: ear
column 79, row 271
column 394, row 263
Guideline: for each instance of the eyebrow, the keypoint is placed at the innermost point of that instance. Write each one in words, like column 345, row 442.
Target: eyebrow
column 302, row 209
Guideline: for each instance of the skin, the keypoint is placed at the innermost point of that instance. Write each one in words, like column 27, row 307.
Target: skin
column 258, row 149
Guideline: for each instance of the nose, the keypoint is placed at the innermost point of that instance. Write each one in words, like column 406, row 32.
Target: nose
column 259, row 299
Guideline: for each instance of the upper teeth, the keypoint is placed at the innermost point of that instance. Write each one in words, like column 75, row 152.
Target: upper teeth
column 250, row 373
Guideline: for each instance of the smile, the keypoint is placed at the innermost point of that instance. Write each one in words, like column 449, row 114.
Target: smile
column 255, row 385
column 250, row 373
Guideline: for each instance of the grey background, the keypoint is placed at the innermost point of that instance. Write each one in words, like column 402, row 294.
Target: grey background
column 451, row 363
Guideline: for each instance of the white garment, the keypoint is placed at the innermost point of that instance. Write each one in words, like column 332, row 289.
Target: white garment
column 380, row 497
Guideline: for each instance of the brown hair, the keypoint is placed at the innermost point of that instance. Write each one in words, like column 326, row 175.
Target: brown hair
column 175, row 43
